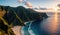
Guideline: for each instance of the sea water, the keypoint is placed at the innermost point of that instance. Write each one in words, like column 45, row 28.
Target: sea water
column 48, row 26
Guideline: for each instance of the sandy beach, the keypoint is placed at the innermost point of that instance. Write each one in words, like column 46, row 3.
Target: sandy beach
column 17, row 30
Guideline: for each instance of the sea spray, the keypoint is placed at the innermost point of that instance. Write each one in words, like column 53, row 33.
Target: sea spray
column 29, row 29
column 26, row 30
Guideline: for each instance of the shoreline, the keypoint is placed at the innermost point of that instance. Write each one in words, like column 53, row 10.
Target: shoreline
column 17, row 30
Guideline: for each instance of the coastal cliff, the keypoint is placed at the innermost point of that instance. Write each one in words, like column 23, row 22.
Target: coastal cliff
column 19, row 15
column 23, row 13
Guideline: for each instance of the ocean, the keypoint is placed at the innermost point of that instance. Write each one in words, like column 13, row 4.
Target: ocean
column 48, row 26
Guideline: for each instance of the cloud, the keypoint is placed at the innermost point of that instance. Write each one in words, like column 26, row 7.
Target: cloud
column 59, row 5
column 20, row 0
column 25, row 2
column 50, row 9
column 28, row 4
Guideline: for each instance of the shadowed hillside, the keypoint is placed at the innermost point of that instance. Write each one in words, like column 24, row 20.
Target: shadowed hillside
column 23, row 13
column 17, row 16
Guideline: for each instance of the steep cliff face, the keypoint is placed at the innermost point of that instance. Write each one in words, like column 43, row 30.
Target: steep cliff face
column 23, row 13
column 19, row 15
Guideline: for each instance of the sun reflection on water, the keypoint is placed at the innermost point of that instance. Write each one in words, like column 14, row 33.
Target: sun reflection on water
column 54, row 24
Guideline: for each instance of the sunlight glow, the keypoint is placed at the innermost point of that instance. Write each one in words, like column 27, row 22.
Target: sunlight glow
column 56, row 9
column 54, row 24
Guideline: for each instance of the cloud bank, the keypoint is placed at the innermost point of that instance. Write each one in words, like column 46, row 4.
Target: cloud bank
column 28, row 4
column 25, row 2
column 20, row 0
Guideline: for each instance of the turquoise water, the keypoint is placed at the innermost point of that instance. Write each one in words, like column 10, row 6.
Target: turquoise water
column 48, row 26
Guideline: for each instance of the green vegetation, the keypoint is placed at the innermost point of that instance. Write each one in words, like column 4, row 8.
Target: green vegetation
column 17, row 16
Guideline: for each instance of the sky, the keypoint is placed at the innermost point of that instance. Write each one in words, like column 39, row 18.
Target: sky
column 33, row 3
